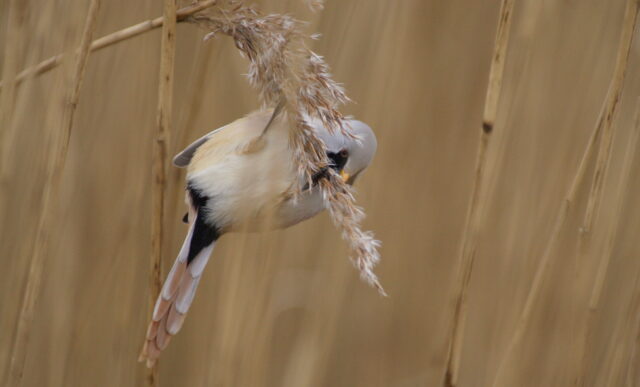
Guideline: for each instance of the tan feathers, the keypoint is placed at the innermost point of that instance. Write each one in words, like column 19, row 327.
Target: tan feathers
column 247, row 186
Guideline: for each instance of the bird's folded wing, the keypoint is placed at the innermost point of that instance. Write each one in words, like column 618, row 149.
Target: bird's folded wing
column 183, row 158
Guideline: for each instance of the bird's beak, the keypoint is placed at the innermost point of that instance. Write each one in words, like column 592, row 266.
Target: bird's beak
column 344, row 175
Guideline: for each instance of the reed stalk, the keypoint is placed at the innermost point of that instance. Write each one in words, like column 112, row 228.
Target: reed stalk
column 158, row 189
column 49, row 200
column 603, row 267
column 566, row 206
column 604, row 125
column 475, row 214
column 617, row 83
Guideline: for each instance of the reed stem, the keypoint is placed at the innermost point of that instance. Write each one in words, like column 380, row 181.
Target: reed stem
column 163, row 118
column 603, row 267
column 49, row 199
column 475, row 215
column 604, row 125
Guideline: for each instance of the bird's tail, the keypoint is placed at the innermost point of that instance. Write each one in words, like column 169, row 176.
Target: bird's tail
column 178, row 289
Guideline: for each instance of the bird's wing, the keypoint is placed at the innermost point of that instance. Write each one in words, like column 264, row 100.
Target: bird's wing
column 183, row 158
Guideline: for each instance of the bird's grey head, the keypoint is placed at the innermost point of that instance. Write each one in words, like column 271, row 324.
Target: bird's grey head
column 350, row 155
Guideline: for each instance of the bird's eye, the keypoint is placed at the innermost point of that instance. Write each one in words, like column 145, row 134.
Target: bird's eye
column 344, row 153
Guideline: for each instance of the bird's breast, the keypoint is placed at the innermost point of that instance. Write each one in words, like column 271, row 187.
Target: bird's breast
column 307, row 205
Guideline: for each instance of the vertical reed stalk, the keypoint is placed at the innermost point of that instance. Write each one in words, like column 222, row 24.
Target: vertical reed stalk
column 612, row 232
column 604, row 124
column 595, row 194
column 604, row 153
column 475, row 215
column 165, row 104
column 51, row 191
column 567, row 203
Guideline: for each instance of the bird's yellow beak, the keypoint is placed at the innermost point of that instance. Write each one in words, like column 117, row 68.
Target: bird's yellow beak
column 344, row 175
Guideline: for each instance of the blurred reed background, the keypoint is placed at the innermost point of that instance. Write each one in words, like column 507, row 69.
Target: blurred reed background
column 286, row 308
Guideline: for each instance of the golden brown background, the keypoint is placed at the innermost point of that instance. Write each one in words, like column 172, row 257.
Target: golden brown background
column 286, row 308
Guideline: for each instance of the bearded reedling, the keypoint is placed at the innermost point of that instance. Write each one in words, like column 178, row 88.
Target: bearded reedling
column 232, row 189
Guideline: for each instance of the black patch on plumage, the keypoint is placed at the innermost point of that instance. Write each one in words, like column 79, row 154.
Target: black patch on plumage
column 337, row 161
column 204, row 234
column 197, row 198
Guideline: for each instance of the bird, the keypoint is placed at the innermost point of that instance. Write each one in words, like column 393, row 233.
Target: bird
column 239, row 178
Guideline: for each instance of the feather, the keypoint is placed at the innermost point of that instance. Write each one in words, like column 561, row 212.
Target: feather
column 180, row 265
column 173, row 280
column 200, row 261
column 153, row 352
column 152, row 330
column 175, row 320
column 161, row 308
column 176, row 296
column 183, row 158
column 186, row 293
column 161, row 338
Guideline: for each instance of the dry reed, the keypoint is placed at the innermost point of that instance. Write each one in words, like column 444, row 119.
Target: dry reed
column 286, row 73
column 599, row 175
column 559, row 223
column 617, row 83
column 475, row 215
column 55, row 168
column 586, row 329
column 163, row 121
column 603, row 124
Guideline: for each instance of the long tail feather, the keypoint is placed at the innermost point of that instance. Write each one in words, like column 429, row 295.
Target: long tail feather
column 176, row 295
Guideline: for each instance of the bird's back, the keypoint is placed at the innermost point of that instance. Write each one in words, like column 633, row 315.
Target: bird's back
column 243, row 185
